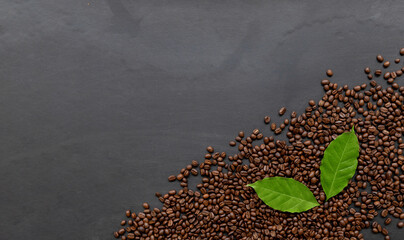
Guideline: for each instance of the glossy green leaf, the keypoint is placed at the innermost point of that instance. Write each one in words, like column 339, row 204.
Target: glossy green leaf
column 285, row 194
column 339, row 163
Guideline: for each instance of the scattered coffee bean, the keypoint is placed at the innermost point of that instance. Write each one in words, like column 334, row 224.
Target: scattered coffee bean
column 397, row 60
column 282, row 111
column 378, row 72
column 329, row 73
column 400, row 224
column 386, row 64
column 267, row 119
column 379, row 58
column 367, row 70
column 127, row 213
column 232, row 143
column 402, row 51
column 172, row 178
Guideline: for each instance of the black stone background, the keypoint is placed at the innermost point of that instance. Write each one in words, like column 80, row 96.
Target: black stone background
column 100, row 101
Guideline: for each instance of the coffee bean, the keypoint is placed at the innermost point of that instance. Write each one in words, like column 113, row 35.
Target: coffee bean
column 127, row 213
column 400, row 224
column 378, row 72
column 146, row 206
column 282, row 111
column 267, row 119
column 329, row 73
column 367, row 70
column 325, row 82
column 386, row 64
column 172, row 178
column 379, row 58
column 387, row 221
column 210, row 149
column 232, row 143
column 397, row 60
column 180, row 177
column 402, row 51
column 123, row 222
column 370, row 76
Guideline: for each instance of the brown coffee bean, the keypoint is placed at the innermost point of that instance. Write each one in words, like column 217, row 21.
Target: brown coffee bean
column 241, row 134
column 378, row 72
column 367, row 70
column 123, row 222
column 325, row 82
column 370, row 76
column 329, row 73
column 127, row 213
column 400, row 224
column 386, row 64
column 172, row 178
column 397, row 60
column 386, row 75
column 282, row 111
column 146, row 206
column 379, row 58
column 402, row 51
column 387, row 221
column 267, row 119
column 232, row 143
column 210, row 149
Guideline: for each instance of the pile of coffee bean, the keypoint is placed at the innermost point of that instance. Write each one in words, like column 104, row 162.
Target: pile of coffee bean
column 223, row 207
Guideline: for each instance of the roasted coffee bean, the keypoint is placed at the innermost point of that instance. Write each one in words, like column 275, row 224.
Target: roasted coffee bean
column 232, row 143
column 402, row 51
column 379, row 58
column 127, row 213
column 367, row 70
column 370, row 76
column 282, row 111
column 210, row 149
column 386, row 64
column 400, row 224
column 397, row 60
column 329, row 73
column 378, row 72
column 146, row 206
column 267, row 119
column 387, row 221
column 172, row 178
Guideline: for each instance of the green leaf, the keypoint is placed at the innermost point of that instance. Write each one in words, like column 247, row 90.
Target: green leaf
column 285, row 194
column 339, row 163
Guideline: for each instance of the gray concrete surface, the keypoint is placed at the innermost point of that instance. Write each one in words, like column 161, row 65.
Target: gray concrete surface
column 100, row 101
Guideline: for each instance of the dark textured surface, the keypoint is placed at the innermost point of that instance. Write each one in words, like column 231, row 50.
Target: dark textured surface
column 100, row 102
